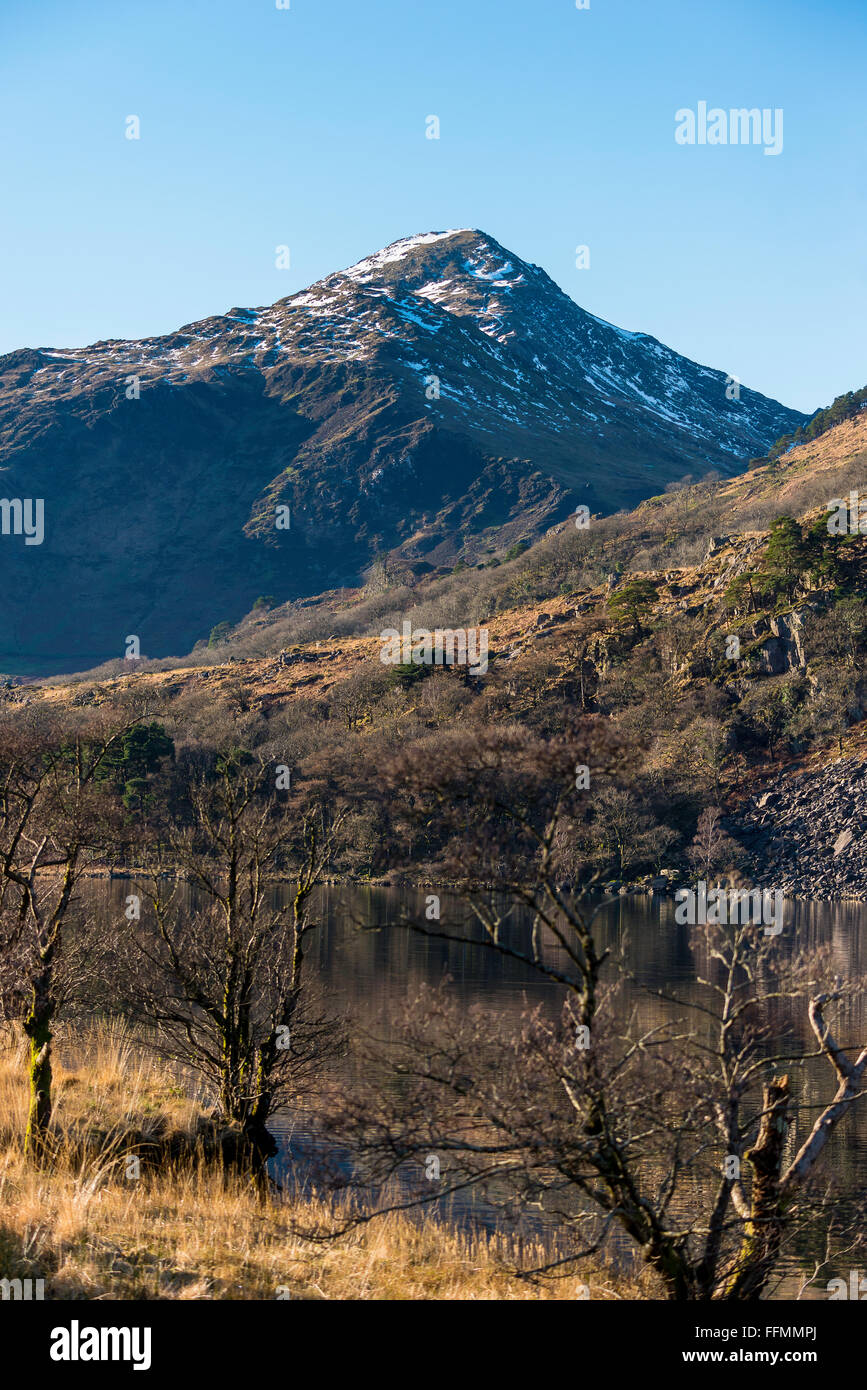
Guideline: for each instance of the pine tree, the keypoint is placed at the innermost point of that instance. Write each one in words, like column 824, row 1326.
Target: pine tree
column 787, row 557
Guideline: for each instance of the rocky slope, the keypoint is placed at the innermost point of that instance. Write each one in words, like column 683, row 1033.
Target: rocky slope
column 804, row 831
column 435, row 398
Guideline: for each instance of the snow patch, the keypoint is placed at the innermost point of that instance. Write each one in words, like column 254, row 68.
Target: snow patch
column 362, row 271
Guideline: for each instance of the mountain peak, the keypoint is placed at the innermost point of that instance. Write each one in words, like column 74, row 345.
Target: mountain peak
column 463, row 271
column 437, row 389
column 401, row 250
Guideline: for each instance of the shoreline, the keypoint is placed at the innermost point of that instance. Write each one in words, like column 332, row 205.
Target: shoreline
column 661, row 886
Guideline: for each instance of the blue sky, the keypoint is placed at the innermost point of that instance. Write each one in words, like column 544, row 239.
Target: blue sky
column 306, row 127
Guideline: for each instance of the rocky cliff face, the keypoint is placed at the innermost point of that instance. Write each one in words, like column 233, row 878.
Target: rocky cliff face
column 437, row 398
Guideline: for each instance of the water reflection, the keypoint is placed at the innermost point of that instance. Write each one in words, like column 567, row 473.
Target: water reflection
column 370, row 974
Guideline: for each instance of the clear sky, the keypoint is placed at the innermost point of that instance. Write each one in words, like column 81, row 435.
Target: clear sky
column 306, row 127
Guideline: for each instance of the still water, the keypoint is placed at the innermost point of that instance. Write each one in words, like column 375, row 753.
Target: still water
column 369, row 975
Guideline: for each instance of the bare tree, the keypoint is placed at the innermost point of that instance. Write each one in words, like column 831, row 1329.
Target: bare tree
column 54, row 820
column 669, row 1122
column 712, row 848
column 215, row 966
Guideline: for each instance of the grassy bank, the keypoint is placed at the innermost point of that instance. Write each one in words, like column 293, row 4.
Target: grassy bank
column 184, row 1230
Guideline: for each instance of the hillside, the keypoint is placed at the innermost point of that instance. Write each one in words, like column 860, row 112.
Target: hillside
column 438, row 400
column 624, row 623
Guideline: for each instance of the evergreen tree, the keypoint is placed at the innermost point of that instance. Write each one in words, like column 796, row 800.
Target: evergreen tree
column 787, row 557
column 633, row 602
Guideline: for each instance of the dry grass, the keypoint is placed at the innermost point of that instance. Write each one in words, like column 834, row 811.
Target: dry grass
column 185, row 1230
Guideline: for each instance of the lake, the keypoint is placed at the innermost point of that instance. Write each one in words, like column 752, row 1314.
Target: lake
column 370, row 975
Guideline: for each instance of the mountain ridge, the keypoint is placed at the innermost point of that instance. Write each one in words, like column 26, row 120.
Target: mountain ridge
column 435, row 398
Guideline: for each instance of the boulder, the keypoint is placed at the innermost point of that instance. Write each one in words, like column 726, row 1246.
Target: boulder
column 715, row 544
column 843, row 841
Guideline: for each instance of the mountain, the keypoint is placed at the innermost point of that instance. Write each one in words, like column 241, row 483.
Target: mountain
column 440, row 398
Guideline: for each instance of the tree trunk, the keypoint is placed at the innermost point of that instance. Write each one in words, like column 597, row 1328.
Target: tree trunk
column 764, row 1227
column 37, row 1026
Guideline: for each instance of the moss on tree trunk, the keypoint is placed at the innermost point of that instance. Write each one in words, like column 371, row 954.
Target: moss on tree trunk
column 38, row 1029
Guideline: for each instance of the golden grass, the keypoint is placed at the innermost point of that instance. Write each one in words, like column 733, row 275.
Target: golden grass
column 188, row 1231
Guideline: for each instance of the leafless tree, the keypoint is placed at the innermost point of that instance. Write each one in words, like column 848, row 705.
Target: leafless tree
column 54, row 821
column 712, row 848
column 214, row 966
column 669, row 1120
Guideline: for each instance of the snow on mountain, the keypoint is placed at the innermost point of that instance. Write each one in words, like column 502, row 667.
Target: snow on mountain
column 439, row 396
column 404, row 301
